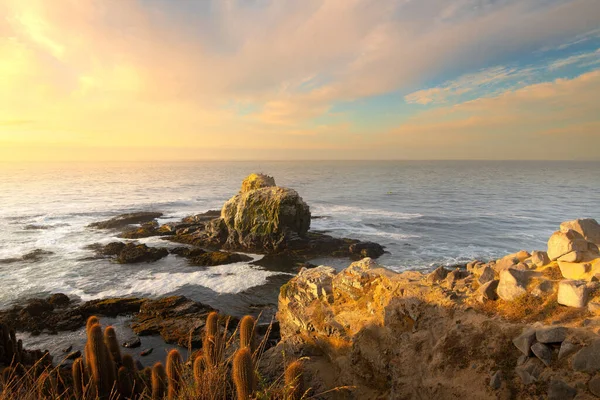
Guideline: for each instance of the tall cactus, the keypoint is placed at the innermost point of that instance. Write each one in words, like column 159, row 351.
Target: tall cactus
column 79, row 378
column 159, row 382
column 125, row 383
column 294, row 382
column 102, row 368
column 246, row 329
column 198, row 372
column 91, row 321
column 174, row 369
column 112, row 343
column 212, row 341
column 129, row 363
column 243, row 373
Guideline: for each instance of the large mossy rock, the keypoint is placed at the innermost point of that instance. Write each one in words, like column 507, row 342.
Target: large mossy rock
column 262, row 217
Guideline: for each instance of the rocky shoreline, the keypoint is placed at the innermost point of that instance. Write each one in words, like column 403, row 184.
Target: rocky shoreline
column 524, row 326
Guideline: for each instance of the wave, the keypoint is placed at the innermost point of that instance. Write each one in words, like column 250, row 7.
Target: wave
column 340, row 209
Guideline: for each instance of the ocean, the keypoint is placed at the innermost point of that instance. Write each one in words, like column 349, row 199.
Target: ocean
column 426, row 213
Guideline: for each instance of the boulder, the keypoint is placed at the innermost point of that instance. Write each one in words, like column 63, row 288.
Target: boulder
column 505, row 263
column 487, row 291
column 561, row 243
column 566, row 349
column 59, row 300
column 123, row 220
column 136, row 253
column 559, row 390
column 496, row 380
column 553, row 334
column 594, row 385
column 214, row 258
column 439, row 274
column 366, row 249
column 573, row 257
column 524, row 341
column 512, row 284
column 263, row 219
column 588, row 228
column 588, row 358
column 540, row 258
column 543, row 353
column 573, row 270
column 572, row 293
column 487, row 274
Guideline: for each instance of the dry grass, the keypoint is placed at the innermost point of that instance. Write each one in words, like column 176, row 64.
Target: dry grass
column 213, row 383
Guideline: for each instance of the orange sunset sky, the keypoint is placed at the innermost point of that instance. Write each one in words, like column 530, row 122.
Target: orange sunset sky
column 339, row 79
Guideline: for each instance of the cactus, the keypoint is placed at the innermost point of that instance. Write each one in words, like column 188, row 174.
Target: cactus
column 125, row 382
column 112, row 344
column 102, row 368
column 129, row 364
column 174, row 367
column 198, row 371
column 294, row 383
column 79, row 378
column 159, row 382
column 212, row 342
column 246, row 329
column 243, row 373
column 91, row 321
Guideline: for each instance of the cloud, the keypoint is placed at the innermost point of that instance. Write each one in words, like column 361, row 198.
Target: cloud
column 558, row 119
column 127, row 73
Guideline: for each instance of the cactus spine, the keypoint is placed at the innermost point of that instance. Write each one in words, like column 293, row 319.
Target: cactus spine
column 294, row 383
column 79, row 378
column 174, row 367
column 159, row 382
column 246, row 328
column 112, row 343
column 102, row 369
column 243, row 373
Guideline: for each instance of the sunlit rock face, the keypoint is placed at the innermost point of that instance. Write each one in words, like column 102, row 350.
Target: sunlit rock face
column 262, row 217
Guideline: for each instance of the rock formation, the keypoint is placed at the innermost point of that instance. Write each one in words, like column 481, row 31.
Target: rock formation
column 516, row 327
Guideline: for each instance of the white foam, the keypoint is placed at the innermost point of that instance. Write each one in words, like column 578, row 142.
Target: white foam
column 230, row 278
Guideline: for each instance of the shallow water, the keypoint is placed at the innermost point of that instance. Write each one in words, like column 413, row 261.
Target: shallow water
column 425, row 213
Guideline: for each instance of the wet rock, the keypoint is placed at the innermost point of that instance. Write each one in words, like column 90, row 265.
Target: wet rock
column 176, row 319
column 123, row 220
column 132, row 343
column 33, row 256
column 588, row 358
column 572, row 293
column 59, row 300
column 551, row 334
column 366, row 249
column 543, row 353
column 146, row 352
column 512, row 284
column 214, row 258
column 524, row 341
column 37, row 307
column 136, row 253
column 112, row 307
column 201, row 218
column 147, row 229
column 187, row 251
column 559, row 390
column 540, row 258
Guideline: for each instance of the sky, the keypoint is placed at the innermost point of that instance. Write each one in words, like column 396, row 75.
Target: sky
column 330, row 79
